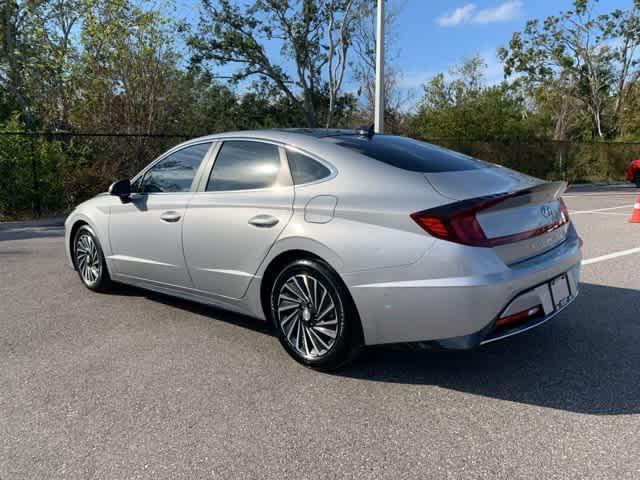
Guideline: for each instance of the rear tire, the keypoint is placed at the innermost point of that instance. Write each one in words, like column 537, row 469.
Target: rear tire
column 89, row 260
column 314, row 316
column 636, row 179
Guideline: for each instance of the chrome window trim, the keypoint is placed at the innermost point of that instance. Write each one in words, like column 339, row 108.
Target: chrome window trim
column 326, row 163
column 285, row 171
column 333, row 172
column 196, row 179
column 206, row 166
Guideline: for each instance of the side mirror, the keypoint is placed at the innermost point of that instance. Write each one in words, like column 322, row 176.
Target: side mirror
column 121, row 188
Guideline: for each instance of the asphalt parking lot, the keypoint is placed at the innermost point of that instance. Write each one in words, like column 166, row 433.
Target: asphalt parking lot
column 138, row 385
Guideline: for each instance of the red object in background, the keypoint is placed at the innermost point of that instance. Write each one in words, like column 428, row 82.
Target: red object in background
column 635, row 214
column 632, row 172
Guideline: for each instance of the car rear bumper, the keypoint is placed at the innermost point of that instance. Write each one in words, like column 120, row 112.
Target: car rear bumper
column 469, row 290
column 539, row 296
column 500, row 333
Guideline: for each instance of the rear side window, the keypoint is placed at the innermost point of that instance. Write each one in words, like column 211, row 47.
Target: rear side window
column 408, row 154
column 174, row 173
column 242, row 165
column 305, row 169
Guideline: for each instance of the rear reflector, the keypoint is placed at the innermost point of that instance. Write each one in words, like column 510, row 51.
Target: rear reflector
column 457, row 222
column 518, row 317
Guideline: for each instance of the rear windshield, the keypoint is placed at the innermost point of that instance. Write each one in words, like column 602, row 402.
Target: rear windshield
column 408, row 154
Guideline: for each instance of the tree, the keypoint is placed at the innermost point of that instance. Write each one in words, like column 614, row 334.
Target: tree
column 629, row 123
column 624, row 28
column 591, row 57
column 199, row 104
column 128, row 72
column 20, row 50
column 315, row 35
column 459, row 106
column 56, row 90
column 364, row 65
column 38, row 56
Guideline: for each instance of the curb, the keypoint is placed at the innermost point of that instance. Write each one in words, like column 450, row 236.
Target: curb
column 41, row 222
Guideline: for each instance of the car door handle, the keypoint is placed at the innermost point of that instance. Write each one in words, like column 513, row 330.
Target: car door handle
column 170, row 216
column 263, row 221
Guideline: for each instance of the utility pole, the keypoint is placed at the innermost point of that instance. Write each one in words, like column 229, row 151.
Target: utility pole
column 379, row 107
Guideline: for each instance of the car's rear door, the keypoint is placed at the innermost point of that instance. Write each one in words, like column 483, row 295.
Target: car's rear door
column 146, row 232
column 232, row 223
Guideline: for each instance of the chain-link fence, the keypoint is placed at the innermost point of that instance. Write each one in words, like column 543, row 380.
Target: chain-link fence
column 552, row 160
column 49, row 173
column 44, row 173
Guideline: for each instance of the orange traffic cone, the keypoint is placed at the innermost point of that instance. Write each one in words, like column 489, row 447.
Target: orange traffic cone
column 635, row 215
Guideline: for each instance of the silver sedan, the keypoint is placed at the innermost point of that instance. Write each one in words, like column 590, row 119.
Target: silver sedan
column 340, row 238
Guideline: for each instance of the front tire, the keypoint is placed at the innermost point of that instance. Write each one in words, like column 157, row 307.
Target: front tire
column 636, row 179
column 314, row 315
column 89, row 260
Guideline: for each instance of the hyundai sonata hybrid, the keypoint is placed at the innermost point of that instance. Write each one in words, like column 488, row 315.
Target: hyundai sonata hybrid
column 340, row 238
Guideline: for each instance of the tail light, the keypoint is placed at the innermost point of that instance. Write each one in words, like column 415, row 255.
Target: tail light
column 565, row 217
column 457, row 222
column 564, row 209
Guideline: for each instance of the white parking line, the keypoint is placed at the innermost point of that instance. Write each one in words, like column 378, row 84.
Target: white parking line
column 574, row 212
column 602, row 258
column 616, row 194
column 612, row 213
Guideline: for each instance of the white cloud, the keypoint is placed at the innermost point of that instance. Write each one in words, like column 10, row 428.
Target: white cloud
column 459, row 15
column 469, row 13
column 502, row 13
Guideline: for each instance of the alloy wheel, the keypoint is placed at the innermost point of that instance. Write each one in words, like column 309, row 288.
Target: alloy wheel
column 88, row 259
column 307, row 316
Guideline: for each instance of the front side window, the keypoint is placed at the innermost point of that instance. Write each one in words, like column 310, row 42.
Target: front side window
column 244, row 165
column 176, row 172
column 305, row 169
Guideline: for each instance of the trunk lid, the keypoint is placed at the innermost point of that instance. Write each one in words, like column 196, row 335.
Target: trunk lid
column 461, row 185
column 528, row 218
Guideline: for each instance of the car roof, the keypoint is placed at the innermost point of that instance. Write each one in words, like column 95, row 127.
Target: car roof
column 284, row 135
column 320, row 132
column 310, row 140
column 316, row 142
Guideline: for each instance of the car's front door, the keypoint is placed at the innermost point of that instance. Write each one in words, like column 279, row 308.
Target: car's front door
column 231, row 225
column 146, row 232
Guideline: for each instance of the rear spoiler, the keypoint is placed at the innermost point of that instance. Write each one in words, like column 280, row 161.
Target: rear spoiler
column 543, row 192
column 558, row 188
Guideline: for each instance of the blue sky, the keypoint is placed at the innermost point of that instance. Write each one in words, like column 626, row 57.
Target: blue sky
column 432, row 35
column 435, row 34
